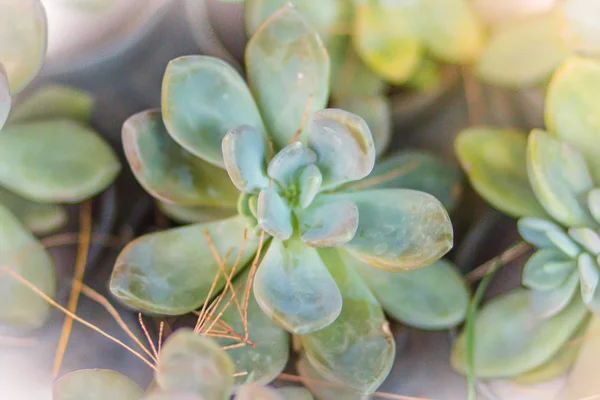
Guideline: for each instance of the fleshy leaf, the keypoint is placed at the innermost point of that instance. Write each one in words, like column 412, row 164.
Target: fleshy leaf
column 523, row 52
column 257, row 392
column 285, row 167
column 593, row 199
column 24, row 33
column 203, row 98
column 168, row 171
column 194, row 363
column 496, row 162
column 244, row 154
column 571, row 107
column 326, row 224
column 376, row 111
column 294, row 393
column 5, row 99
column 560, row 179
column 546, row 303
column 273, row 214
column 309, row 184
column 192, row 214
column 288, row 72
column 357, row 349
column 96, row 384
column 171, row 272
column 589, row 276
column 510, row 340
column 54, row 101
column 40, row 218
column 398, row 229
column 432, row 297
column 536, row 230
column 324, row 392
column 547, row 268
column 351, row 78
column 20, row 251
column 451, row 30
column 564, row 243
column 386, row 38
column 417, row 171
column 586, row 238
column 344, row 146
column 294, row 288
column 267, row 357
column 55, row 161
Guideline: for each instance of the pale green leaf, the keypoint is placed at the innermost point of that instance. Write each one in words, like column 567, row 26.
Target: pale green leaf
column 96, row 384
column 40, row 218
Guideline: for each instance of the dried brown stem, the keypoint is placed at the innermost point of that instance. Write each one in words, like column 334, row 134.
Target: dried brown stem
column 510, row 254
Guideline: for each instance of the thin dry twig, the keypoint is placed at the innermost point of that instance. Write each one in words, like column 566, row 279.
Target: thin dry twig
column 510, row 254
column 388, row 176
column 303, row 120
column 148, row 338
column 85, row 223
column 249, row 283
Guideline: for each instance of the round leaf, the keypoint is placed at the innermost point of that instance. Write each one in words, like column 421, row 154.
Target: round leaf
column 189, row 362
column 171, row 272
column 40, row 218
column 294, row 288
column 547, row 268
column 274, row 215
column 96, row 384
column 496, row 162
column 546, row 303
column 24, row 33
column 203, row 98
column 560, row 179
column 288, row 72
column 168, row 171
column 398, row 229
column 357, row 350
column 21, row 252
column 432, row 297
column 326, row 224
column 510, row 339
column 191, row 214
column 523, row 52
column 55, row 161
column 571, row 110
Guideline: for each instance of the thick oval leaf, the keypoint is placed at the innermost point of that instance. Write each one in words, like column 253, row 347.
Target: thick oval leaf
column 328, row 391
column 593, row 199
column 189, row 362
column 451, row 30
column 579, row 23
column 168, row 171
column 510, row 340
column 192, row 215
column 536, row 231
column 24, row 33
column 547, row 269
column 417, row 171
column 590, row 276
column 309, row 183
column 357, row 350
column 257, row 392
column 203, row 98
column 376, row 111
column 350, row 76
column 327, row 224
column 294, row 288
column 386, row 38
column 549, row 302
column 344, row 146
column 496, row 162
column 586, row 238
column 523, row 52
column 22, row 253
column 40, row 218
column 54, row 101
column 294, row 393
column 289, row 162
column 171, row 272
column 398, row 229
column 274, row 215
column 244, row 154
column 266, row 358
column 55, row 161
column 96, row 384
column 288, row 72
column 5, row 99
column 326, row 17
column 560, row 179
column 432, row 297
column 571, row 109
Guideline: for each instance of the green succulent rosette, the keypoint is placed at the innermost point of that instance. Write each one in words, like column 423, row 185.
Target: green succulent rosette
column 549, row 180
column 300, row 182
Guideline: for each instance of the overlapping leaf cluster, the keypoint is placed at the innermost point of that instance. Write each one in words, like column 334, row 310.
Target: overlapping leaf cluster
column 550, row 181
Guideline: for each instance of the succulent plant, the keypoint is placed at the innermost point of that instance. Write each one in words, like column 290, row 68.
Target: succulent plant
column 190, row 367
column 47, row 156
column 549, row 180
column 304, row 201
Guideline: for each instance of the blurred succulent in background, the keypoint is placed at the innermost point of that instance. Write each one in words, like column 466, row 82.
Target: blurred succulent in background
column 189, row 367
column 376, row 43
column 550, row 181
column 47, row 156
column 289, row 190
